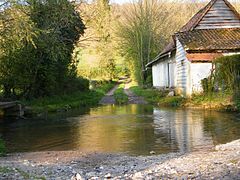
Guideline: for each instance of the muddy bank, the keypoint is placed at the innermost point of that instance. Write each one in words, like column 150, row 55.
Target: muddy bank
column 223, row 162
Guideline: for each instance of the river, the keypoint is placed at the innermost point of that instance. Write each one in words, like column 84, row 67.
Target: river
column 130, row 129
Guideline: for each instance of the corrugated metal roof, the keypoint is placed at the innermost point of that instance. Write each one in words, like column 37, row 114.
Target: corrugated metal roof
column 186, row 32
column 210, row 40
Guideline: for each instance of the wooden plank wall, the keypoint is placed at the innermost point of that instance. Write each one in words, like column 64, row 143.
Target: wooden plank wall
column 182, row 65
column 219, row 16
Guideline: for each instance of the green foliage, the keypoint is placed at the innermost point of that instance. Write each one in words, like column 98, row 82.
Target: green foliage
column 228, row 71
column 149, row 81
column 120, row 96
column 208, row 84
column 3, row 148
column 76, row 84
column 175, row 101
column 228, row 75
column 37, row 41
column 216, row 100
column 158, row 97
column 99, row 55
column 151, row 95
column 238, row 105
column 69, row 101
column 102, row 86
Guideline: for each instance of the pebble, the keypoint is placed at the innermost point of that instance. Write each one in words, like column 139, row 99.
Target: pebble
column 152, row 152
column 221, row 164
column 77, row 176
column 108, row 176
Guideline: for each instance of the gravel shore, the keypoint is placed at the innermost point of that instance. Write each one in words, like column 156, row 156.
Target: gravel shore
column 223, row 162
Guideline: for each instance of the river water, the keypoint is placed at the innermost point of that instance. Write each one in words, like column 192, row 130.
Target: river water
column 130, row 129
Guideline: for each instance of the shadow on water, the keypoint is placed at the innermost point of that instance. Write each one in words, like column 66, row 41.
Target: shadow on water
column 131, row 129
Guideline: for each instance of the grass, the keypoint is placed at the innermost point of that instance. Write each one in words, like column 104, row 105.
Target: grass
column 69, row 101
column 217, row 101
column 175, row 101
column 153, row 96
column 120, row 96
column 3, row 148
column 158, row 97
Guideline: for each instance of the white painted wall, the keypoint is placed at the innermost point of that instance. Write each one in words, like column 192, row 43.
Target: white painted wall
column 231, row 54
column 160, row 74
column 156, row 75
column 164, row 73
column 183, row 68
column 199, row 71
column 172, row 74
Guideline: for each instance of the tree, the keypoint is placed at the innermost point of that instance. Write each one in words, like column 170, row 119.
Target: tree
column 138, row 32
column 98, row 41
column 37, row 44
column 17, row 33
column 145, row 27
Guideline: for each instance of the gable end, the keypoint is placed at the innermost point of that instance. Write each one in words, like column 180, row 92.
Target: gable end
column 220, row 15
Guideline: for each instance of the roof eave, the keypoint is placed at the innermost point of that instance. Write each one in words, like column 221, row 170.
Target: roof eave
column 159, row 58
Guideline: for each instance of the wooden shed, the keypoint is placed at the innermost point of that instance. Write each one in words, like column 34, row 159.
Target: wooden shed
column 213, row 32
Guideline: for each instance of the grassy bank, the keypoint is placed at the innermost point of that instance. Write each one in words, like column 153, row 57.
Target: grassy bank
column 120, row 96
column 153, row 96
column 215, row 101
column 157, row 97
column 69, row 101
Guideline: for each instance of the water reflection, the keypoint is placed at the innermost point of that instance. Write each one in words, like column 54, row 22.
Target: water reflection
column 132, row 129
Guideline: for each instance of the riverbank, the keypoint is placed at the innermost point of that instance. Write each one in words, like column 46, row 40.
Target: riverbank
column 69, row 101
column 223, row 162
column 214, row 101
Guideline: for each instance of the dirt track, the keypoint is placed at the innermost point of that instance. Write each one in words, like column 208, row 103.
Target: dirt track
column 132, row 98
column 109, row 98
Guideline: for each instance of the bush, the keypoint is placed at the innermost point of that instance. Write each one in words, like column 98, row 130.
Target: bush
column 149, row 81
column 228, row 75
column 228, row 71
column 208, row 84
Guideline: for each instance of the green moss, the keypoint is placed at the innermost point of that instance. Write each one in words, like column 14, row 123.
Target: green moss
column 120, row 96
